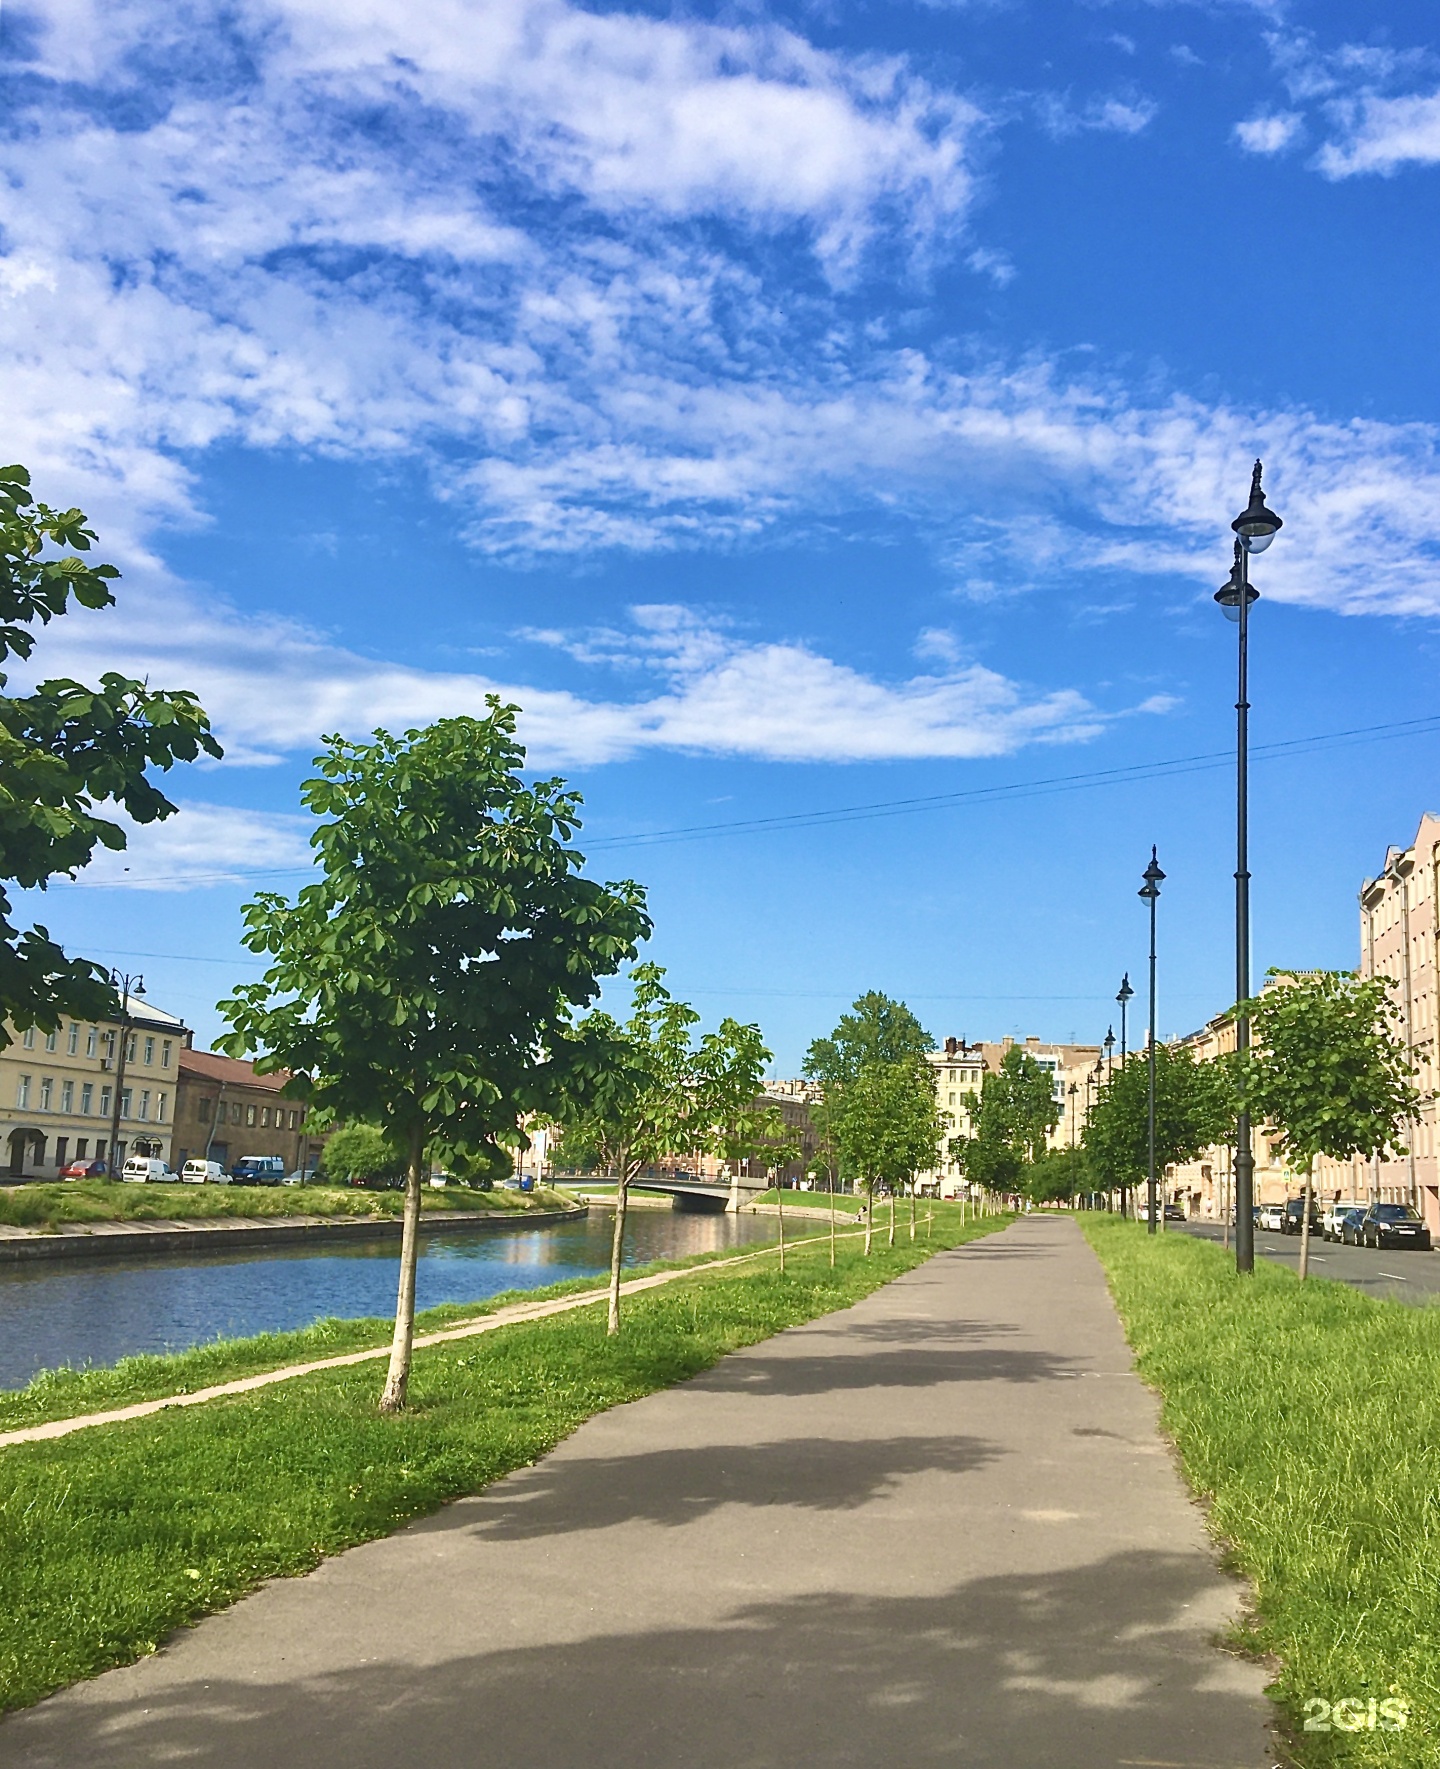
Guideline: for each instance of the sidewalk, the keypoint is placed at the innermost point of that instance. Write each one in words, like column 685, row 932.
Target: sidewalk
column 938, row 1528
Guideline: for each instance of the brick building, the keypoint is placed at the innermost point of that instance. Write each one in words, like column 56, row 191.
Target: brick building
column 224, row 1110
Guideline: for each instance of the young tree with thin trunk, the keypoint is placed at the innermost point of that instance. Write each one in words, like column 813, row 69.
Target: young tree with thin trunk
column 1011, row 1121
column 1328, row 1072
column 427, row 982
column 1194, row 1104
column 662, row 1094
column 888, row 1127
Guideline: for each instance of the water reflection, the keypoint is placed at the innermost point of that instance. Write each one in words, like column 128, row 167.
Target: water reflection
column 65, row 1312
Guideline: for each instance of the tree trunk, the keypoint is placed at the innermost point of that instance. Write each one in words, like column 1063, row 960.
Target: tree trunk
column 780, row 1210
column 617, row 1249
column 832, row 1222
column 912, row 1212
column 869, row 1214
column 891, row 1241
column 397, row 1380
column 1305, row 1229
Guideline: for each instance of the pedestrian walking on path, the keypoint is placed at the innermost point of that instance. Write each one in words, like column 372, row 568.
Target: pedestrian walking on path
column 939, row 1527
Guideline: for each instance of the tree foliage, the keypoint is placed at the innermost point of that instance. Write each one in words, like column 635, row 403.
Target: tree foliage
column 887, row 1124
column 67, row 749
column 1194, row 1105
column 1328, row 1072
column 428, row 980
column 1057, row 1174
column 1010, row 1122
column 360, row 1151
column 876, row 1030
column 661, row 1093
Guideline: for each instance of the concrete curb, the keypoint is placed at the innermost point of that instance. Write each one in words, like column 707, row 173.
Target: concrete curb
column 220, row 1234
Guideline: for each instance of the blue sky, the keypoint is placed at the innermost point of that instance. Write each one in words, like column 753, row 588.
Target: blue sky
column 793, row 409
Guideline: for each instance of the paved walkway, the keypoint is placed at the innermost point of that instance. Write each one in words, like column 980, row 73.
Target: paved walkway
column 938, row 1528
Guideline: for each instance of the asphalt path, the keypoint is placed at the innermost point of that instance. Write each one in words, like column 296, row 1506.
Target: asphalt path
column 939, row 1527
column 1404, row 1276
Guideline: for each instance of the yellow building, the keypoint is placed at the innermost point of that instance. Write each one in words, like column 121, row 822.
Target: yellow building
column 1399, row 925
column 57, row 1091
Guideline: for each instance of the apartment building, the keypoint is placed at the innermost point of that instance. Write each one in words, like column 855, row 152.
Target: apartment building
column 224, row 1111
column 57, row 1091
column 1399, row 928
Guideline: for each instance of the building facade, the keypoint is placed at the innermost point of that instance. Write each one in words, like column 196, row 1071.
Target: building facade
column 1204, row 1187
column 1399, row 930
column 224, row 1111
column 58, row 1091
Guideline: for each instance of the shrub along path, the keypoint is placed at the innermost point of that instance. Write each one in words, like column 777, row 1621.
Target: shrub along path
column 938, row 1525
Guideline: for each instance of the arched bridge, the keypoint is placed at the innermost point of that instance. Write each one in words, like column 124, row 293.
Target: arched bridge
column 704, row 1194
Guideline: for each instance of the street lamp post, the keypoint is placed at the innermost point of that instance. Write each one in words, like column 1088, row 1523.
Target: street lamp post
column 128, row 986
column 1109, row 1052
column 1124, row 996
column 1150, row 890
column 1255, row 527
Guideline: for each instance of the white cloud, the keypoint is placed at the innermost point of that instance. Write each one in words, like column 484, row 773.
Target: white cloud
column 1117, row 115
column 201, row 844
column 1270, row 134
column 1383, row 134
column 274, row 688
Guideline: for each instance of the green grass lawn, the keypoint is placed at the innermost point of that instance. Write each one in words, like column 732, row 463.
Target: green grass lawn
column 99, row 1200
column 113, row 1538
column 1309, row 1417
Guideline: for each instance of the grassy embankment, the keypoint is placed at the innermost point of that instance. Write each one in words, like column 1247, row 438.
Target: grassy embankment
column 112, row 1538
column 1309, row 1418
column 97, row 1200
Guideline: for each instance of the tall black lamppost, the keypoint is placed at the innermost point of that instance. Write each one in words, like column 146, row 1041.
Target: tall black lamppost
column 1109, row 1052
column 128, row 986
column 1124, row 997
column 1150, row 890
column 1255, row 527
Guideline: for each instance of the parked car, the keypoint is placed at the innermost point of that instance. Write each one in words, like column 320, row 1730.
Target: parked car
column 1348, row 1225
column 1393, row 1225
column 145, row 1170
column 1330, row 1217
column 201, row 1172
column 1295, row 1216
column 258, row 1170
column 301, row 1176
column 85, row 1170
column 1173, row 1213
column 1272, row 1216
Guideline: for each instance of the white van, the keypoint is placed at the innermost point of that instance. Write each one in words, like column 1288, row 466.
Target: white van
column 145, row 1170
column 198, row 1172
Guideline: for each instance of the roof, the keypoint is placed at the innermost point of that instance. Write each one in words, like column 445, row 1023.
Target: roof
column 228, row 1071
column 145, row 1013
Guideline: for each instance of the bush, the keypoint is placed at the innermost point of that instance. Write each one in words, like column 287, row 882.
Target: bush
column 362, row 1152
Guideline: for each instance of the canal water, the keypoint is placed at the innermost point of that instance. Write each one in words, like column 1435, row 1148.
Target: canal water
column 62, row 1311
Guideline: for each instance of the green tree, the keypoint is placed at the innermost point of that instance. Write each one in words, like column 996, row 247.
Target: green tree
column 66, row 749
column 1010, row 1122
column 1194, row 1104
column 887, row 1128
column 428, row 980
column 1328, row 1072
column 661, row 1093
column 360, row 1151
column 1056, row 1174
column 876, row 1030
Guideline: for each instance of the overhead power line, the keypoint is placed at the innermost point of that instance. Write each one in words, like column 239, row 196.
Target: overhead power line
column 1135, row 774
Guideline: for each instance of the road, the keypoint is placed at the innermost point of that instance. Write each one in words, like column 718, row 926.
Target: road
column 1406, row 1277
column 939, row 1527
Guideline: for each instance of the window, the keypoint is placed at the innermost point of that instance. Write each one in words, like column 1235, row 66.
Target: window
column 92, row 1041
column 28, row 1040
column 145, row 1103
column 235, row 1111
column 295, row 1119
column 47, row 1088
column 264, row 1117
column 130, row 1048
column 952, row 1099
column 72, row 1041
column 62, row 1150
column 87, row 1095
column 22, row 1092
column 125, row 1103
column 165, row 1054
column 100, row 1147
column 81, row 1144
column 149, row 1051
column 250, row 1117
column 67, row 1096
column 203, row 1109
column 160, row 1107
column 52, row 1039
